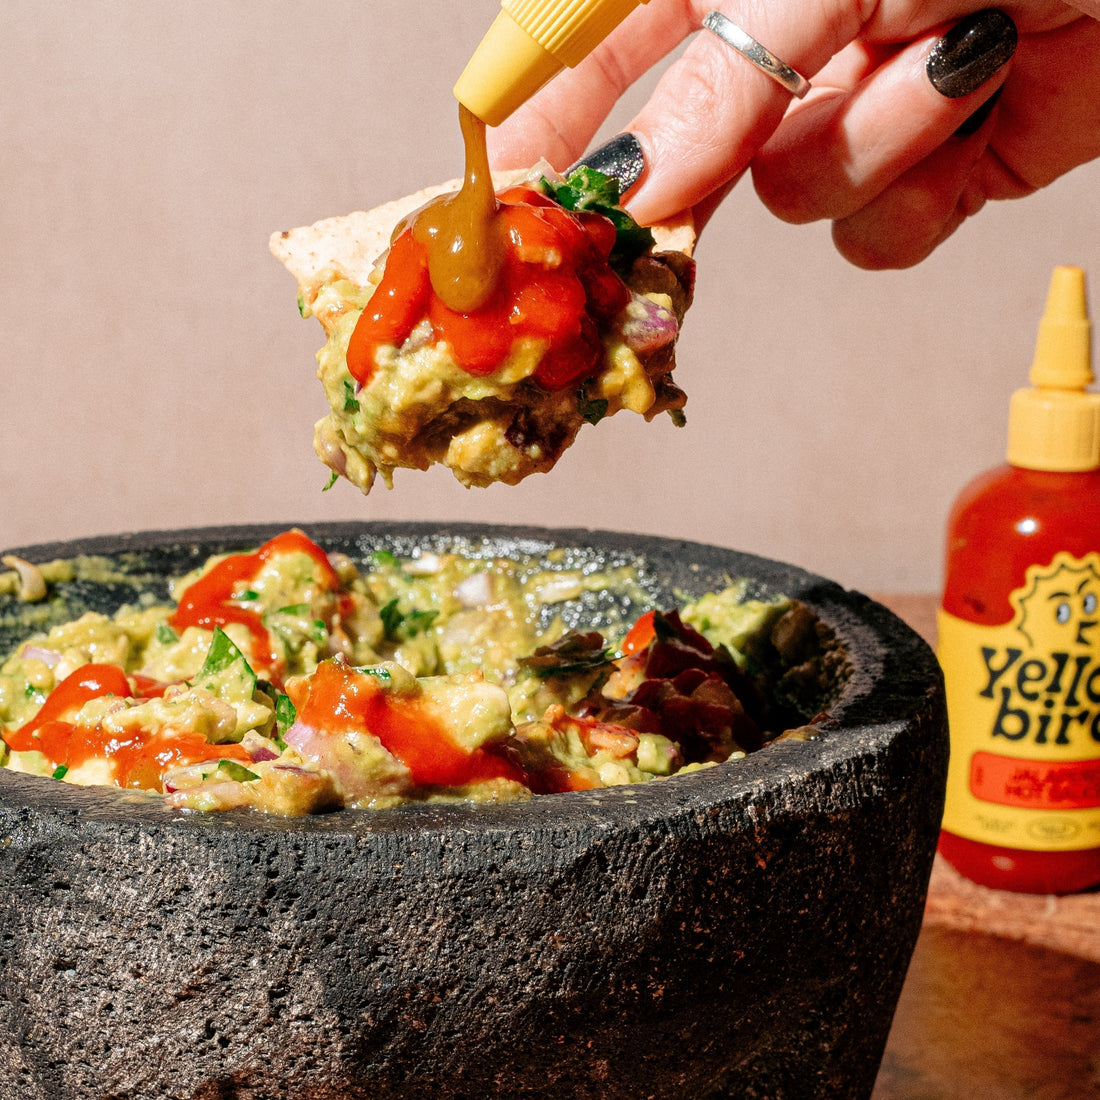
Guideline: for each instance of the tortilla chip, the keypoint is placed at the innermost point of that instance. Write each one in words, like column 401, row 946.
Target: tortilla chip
column 350, row 245
column 486, row 433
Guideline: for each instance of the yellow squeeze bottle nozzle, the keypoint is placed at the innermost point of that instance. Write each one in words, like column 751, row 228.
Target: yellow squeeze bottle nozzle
column 1054, row 424
column 529, row 42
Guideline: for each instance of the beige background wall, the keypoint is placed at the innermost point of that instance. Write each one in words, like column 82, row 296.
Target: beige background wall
column 156, row 373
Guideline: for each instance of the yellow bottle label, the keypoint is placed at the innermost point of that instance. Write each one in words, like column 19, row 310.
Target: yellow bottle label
column 1023, row 704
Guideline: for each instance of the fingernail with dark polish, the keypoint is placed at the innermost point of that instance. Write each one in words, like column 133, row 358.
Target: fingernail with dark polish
column 971, row 52
column 620, row 157
column 974, row 123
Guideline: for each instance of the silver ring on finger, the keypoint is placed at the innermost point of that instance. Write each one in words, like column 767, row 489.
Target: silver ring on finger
column 753, row 51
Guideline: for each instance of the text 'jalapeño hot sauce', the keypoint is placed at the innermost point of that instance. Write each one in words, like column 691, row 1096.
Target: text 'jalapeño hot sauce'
column 1019, row 631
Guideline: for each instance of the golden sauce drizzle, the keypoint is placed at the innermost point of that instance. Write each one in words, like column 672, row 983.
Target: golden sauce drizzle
column 488, row 270
column 462, row 232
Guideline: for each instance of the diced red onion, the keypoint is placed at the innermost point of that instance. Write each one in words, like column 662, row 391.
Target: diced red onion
column 39, row 653
column 332, row 454
column 649, row 327
column 475, row 591
column 292, row 769
column 300, row 736
column 328, row 751
column 424, row 564
column 224, row 796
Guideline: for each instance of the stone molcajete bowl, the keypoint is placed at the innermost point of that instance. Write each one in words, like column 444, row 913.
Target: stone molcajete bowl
column 741, row 931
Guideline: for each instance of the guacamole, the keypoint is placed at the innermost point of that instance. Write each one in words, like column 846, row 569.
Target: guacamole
column 583, row 325
column 293, row 681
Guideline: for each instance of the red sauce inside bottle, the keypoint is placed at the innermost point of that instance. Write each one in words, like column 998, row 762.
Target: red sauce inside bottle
column 1004, row 521
column 338, row 697
column 139, row 757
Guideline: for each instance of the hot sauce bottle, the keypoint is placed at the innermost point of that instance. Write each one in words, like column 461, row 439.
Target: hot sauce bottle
column 1019, row 630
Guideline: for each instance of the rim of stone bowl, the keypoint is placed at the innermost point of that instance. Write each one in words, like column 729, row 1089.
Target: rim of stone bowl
column 892, row 678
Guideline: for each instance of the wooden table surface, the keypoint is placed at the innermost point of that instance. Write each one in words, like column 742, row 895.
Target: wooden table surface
column 1002, row 998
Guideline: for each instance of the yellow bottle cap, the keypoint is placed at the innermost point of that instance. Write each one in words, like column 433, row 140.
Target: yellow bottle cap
column 1055, row 423
column 529, row 42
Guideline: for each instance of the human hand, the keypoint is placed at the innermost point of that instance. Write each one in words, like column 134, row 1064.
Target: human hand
column 895, row 149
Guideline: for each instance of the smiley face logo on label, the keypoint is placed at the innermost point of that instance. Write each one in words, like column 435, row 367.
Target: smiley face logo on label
column 1059, row 606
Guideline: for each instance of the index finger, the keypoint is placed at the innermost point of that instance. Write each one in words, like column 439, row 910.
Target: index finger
column 710, row 110
column 559, row 122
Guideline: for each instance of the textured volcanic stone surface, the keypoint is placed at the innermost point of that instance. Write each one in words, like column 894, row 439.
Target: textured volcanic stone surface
column 740, row 932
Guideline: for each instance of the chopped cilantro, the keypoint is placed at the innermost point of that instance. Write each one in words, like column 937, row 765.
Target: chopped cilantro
column 301, row 610
column 61, row 771
column 378, row 673
column 221, row 655
column 230, row 769
column 417, row 622
column 332, row 479
column 285, row 716
column 586, row 189
column 574, row 652
column 401, row 625
column 316, row 632
column 351, row 403
column 593, row 409
column 391, row 617
column 166, row 635
column 385, row 557
column 226, row 672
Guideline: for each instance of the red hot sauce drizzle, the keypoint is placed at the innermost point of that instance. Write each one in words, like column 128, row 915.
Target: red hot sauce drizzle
column 338, row 697
column 139, row 757
column 211, row 600
column 488, row 270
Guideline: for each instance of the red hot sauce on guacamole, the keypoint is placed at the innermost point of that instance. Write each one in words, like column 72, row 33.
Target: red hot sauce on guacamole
column 338, row 697
column 139, row 757
column 213, row 599
column 488, row 270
